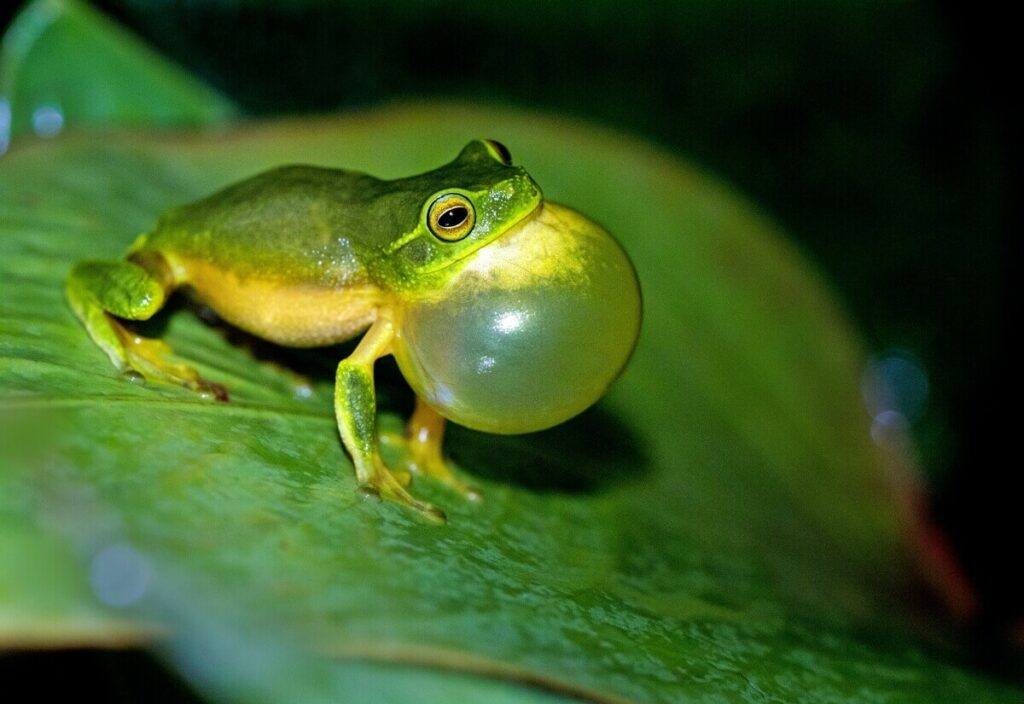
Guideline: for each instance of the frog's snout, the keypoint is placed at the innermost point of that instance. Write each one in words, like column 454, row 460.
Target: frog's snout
column 531, row 331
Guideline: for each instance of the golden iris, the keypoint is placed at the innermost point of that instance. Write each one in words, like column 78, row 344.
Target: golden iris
column 451, row 217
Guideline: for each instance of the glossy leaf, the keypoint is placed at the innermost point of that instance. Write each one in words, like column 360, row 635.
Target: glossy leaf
column 720, row 528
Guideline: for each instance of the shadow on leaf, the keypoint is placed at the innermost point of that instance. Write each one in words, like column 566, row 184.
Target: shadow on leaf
column 592, row 452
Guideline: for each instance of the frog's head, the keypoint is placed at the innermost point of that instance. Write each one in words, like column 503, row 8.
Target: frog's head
column 459, row 208
column 517, row 313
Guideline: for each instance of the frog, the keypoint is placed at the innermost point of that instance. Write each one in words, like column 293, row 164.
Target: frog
column 506, row 313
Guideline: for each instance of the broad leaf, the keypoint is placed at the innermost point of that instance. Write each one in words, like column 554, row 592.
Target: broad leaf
column 720, row 528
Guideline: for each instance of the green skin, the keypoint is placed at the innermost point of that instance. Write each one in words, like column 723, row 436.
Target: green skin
column 307, row 256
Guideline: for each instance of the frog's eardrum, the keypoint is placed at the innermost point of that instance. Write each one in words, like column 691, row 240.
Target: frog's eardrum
column 530, row 331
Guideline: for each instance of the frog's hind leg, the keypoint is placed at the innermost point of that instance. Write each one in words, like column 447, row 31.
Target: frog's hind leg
column 101, row 291
column 423, row 439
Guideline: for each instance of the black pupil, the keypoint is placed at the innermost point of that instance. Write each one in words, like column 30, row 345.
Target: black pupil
column 453, row 217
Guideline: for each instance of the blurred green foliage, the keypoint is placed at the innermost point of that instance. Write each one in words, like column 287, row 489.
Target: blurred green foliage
column 150, row 90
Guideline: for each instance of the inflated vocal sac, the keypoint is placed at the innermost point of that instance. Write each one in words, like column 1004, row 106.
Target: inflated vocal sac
column 529, row 331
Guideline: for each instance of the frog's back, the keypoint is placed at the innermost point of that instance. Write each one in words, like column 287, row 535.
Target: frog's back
column 281, row 254
column 292, row 222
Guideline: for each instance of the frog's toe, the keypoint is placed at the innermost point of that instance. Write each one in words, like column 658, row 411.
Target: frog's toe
column 429, row 511
column 403, row 477
column 369, row 491
column 133, row 376
column 148, row 360
column 417, row 459
column 426, row 510
column 179, row 375
column 447, row 477
column 210, row 390
column 441, row 470
column 383, row 484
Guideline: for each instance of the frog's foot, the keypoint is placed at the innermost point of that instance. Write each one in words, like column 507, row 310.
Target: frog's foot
column 437, row 468
column 422, row 454
column 425, row 459
column 103, row 293
column 150, row 359
column 378, row 481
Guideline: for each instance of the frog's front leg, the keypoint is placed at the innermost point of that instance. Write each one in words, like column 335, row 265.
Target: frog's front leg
column 100, row 292
column 355, row 405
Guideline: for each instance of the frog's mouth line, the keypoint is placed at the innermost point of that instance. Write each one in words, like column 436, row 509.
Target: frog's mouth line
column 513, row 228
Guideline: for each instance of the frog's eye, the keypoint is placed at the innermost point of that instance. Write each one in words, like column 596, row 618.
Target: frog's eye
column 500, row 151
column 451, row 217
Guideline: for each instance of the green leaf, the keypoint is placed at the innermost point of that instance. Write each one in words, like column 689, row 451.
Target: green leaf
column 720, row 528
column 63, row 64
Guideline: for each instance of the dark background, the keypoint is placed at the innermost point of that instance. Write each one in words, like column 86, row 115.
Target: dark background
column 877, row 134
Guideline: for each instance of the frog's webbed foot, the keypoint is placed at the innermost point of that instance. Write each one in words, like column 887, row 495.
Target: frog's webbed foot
column 440, row 469
column 378, row 481
column 150, row 359
column 102, row 292
column 422, row 454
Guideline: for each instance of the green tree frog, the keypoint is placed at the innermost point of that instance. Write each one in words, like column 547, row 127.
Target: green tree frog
column 505, row 313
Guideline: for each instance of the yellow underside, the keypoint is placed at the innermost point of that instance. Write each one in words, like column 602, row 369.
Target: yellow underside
column 295, row 315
